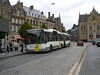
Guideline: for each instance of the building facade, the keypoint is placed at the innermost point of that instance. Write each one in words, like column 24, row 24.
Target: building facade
column 89, row 26
column 17, row 17
column 74, row 33
column 34, row 17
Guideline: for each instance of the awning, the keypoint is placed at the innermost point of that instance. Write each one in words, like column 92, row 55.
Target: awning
column 19, row 37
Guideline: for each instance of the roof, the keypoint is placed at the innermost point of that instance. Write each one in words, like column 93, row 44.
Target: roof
column 4, row 2
column 34, row 13
column 83, row 17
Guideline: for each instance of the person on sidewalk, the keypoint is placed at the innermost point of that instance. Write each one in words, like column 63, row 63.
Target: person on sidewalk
column 7, row 45
column 0, row 47
column 21, row 44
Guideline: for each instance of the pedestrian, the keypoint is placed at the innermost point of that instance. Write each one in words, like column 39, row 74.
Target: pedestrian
column 7, row 45
column 21, row 44
column 0, row 47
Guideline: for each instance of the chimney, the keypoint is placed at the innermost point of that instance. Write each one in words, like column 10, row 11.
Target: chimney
column 31, row 7
column 48, row 15
column 42, row 12
column 53, row 15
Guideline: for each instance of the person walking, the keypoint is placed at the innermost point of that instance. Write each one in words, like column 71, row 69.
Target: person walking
column 7, row 45
column 21, row 44
column 0, row 47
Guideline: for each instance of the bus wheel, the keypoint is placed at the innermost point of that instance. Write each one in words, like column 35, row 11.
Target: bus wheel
column 51, row 48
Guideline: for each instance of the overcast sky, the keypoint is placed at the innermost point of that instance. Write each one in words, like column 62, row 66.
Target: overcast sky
column 68, row 9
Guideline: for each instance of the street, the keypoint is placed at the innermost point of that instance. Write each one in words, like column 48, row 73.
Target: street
column 91, row 63
column 58, row 62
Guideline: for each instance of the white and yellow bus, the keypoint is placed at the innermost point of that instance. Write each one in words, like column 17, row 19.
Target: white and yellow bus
column 43, row 40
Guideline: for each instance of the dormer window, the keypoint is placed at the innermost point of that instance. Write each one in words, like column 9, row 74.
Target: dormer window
column 29, row 13
column 32, row 14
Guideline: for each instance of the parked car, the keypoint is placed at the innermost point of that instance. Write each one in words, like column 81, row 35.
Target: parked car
column 98, row 43
column 94, row 41
column 80, row 43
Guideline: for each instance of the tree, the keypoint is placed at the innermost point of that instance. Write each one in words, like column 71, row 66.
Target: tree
column 44, row 26
column 63, row 31
column 1, row 17
column 25, row 26
column 55, row 28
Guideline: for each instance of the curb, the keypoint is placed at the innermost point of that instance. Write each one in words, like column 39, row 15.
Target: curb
column 75, row 70
column 12, row 55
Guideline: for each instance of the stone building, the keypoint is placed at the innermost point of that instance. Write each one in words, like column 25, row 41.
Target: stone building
column 35, row 17
column 74, row 33
column 89, row 26
column 5, row 10
column 50, row 21
column 58, row 24
column 17, row 17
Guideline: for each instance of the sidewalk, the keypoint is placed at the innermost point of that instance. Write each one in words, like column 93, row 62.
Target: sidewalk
column 91, row 63
column 12, row 53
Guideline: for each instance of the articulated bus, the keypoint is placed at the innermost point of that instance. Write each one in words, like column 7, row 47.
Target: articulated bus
column 43, row 40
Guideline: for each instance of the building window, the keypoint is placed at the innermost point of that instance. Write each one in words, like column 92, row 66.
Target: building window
column 30, row 21
column 0, row 11
column 38, row 16
column 36, row 22
column 84, row 28
column 97, row 36
column 6, row 14
column 16, row 28
column 93, row 17
column 12, row 20
column 98, row 27
column 18, row 13
column 17, row 21
column 35, row 15
column 32, row 14
column 40, row 23
column 81, row 28
column 20, row 21
column 90, row 27
column 23, row 21
column 29, row 13
column 12, row 28
column 94, row 27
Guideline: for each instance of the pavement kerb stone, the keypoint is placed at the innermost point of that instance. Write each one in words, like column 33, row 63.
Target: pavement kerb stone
column 7, row 55
column 75, row 70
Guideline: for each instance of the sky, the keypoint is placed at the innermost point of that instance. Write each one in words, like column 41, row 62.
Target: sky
column 68, row 9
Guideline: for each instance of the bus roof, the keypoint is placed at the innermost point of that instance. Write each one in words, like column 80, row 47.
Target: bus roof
column 49, row 30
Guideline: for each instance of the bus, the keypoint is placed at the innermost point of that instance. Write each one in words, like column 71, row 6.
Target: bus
column 43, row 40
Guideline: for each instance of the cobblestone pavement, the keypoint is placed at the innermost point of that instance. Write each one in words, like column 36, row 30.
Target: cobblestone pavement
column 58, row 63
column 91, row 63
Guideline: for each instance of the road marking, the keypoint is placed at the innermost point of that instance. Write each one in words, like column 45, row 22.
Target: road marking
column 76, row 69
